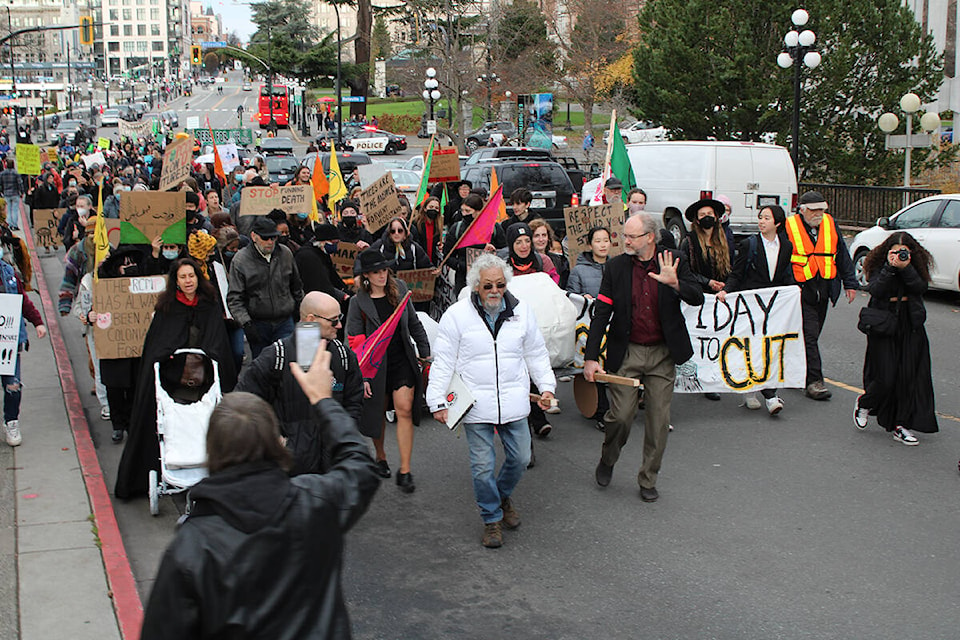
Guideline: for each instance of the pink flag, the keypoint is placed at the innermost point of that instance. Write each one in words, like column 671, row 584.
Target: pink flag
column 480, row 230
column 374, row 348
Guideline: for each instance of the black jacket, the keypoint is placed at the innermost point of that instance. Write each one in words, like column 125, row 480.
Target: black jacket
column 260, row 554
column 750, row 268
column 415, row 256
column 616, row 292
column 319, row 273
column 269, row 377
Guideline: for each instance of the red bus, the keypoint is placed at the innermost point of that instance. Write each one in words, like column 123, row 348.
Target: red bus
column 281, row 106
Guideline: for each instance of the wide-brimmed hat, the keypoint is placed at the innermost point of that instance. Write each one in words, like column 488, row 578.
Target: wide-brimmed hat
column 716, row 205
column 370, row 260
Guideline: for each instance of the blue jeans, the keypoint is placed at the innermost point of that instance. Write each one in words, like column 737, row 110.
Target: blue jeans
column 12, row 390
column 270, row 331
column 490, row 491
column 13, row 211
column 235, row 336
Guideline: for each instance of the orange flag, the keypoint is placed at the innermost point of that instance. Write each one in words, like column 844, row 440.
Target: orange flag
column 319, row 179
column 494, row 183
column 217, row 162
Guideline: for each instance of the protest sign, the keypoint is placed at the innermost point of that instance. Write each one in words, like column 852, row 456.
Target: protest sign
column 28, row 159
column 579, row 221
column 238, row 136
column 420, row 283
column 220, row 272
column 472, row 254
column 445, row 166
column 11, row 307
column 193, row 122
column 52, row 155
column 445, row 292
column 92, row 159
column 370, row 173
column 229, row 156
column 146, row 214
column 176, row 163
column 752, row 341
column 124, row 308
column 379, row 202
column 135, row 130
column 259, row 201
column 344, row 258
column 103, row 143
column 45, row 223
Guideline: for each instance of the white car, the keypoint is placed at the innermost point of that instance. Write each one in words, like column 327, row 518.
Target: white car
column 935, row 223
column 408, row 182
column 560, row 142
column 414, row 164
column 639, row 131
column 110, row 118
column 372, row 142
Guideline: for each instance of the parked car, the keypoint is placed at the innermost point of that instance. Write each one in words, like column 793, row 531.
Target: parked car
column 481, row 137
column 487, row 154
column 376, row 141
column 282, row 168
column 407, row 182
column 127, row 113
column 109, row 118
column 276, row 146
column 139, row 108
column 559, row 142
column 414, row 163
column 348, row 161
column 639, row 131
column 170, row 119
column 75, row 131
column 546, row 180
column 935, row 223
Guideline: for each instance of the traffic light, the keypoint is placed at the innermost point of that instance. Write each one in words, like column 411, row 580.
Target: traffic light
column 86, row 30
column 195, row 54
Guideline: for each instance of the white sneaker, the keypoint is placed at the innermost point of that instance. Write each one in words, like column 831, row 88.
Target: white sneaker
column 104, row 413
column 899, row 433
column 860, row 416
column 751, row 401
column 391, row 416
column 552, row 410
column 774, row 405
column 13, row 433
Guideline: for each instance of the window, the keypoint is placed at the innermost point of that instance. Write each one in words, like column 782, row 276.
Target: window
column 128, row 29
column 114, row 15
column 918, row 216
column 950, row 218
column 141, row 45
column 127, row 14
column 141, row 29
column 113, row 46
column 155, row 15
column 128, row 46
column 141, row 14
column 157, row 45
column 155, row 30
column 114, row 30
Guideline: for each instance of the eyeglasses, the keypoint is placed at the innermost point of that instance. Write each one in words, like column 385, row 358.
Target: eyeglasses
column 394, row 231
column 334, row 321
column 490, row 285
column 631, row 236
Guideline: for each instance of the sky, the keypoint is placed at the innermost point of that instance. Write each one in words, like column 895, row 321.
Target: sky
column 236, row 17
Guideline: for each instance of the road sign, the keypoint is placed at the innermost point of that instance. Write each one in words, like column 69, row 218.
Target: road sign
column 916, row 141
column 193, row 122
column 354, row 99
column 213, row 45
column 296, row 99
column 431, row 127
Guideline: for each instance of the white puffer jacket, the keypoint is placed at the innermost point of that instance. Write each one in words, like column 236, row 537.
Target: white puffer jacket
column 496, row 368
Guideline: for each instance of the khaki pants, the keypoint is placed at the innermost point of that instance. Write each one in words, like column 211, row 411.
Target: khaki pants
column 655, row 368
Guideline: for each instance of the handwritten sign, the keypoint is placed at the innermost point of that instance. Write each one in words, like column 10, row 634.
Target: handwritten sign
column 380, row 202
column 28, row 159
column 176, row 163
column 259, row 201
column 472, row 254
column 579, row 222
column 52, row 155
column 146, row 214
column 135, row 130
column 45, row 223
column 11, row 306
column 420, row 282
column 103, row 143
column 344, row 258
column 445, row 166
column 124, row 308
column 92, row 159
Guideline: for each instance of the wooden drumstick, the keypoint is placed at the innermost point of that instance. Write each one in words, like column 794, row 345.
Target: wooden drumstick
column 612, row 379
column 534, row 397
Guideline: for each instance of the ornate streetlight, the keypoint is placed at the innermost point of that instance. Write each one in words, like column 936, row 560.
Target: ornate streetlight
column 798, row 50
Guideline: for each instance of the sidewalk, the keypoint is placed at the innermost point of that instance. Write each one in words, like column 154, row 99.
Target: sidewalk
column 62, row 563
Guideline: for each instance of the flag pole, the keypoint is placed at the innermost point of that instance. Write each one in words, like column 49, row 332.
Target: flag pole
column 467, row 230
column 379, row 330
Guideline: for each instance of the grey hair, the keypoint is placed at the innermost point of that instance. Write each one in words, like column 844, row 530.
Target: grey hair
column 86, row 197
column 650, row 222
column 482, row 263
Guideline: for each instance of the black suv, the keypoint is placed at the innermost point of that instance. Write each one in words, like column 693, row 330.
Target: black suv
column 487, row 154
column 547, row 181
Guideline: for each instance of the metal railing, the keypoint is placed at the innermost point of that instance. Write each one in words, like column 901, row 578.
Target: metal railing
column 860, row 206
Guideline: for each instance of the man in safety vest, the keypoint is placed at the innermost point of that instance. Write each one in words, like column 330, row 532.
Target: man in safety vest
column 821, row 263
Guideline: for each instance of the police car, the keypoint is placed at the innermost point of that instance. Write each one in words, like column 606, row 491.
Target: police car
column 370, row 140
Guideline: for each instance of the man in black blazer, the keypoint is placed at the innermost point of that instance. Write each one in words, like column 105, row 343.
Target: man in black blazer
column 646, row 339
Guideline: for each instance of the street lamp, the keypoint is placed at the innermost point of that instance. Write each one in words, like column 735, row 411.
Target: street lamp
column 431, row 93
column 798, row 49
column 888, row 123
column 489, row 79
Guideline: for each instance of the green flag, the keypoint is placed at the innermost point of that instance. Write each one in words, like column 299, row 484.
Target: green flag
column 422, row 191
column 620, row 164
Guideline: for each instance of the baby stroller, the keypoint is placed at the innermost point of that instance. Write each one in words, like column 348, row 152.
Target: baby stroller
column 188, row 390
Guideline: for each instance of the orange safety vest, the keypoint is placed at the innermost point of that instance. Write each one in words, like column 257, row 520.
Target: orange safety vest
column 809, row 260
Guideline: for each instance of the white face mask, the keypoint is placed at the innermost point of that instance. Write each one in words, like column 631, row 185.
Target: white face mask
column 83, row 212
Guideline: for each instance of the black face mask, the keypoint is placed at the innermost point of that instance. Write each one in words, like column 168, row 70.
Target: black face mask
column 432, row 213
column 707, row 223
column 350, row 222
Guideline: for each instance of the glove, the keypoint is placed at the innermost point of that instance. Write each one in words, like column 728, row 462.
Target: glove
column 250, row 330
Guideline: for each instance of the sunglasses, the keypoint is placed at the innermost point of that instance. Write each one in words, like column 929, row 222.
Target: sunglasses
column 490, row 285
column 335, row 320
column 394, row 231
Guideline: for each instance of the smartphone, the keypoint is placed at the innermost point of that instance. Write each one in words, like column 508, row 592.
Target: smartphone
column 308, row 341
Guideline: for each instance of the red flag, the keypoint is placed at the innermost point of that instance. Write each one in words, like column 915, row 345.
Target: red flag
column 217, row 162
column 374, row 348
column 480, row 230
column 319, row 179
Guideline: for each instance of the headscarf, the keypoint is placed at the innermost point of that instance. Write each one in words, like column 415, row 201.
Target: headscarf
column 521, row 265
column 199, row 246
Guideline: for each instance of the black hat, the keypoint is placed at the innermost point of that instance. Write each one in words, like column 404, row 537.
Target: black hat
column 323, row 232
column 347, row 204
column 813, row 200
column 516, row 230
column 193, row 198
column 718, row 208
column 265, row 228
column 465, row 182
column 613, row 182
column 370, row 260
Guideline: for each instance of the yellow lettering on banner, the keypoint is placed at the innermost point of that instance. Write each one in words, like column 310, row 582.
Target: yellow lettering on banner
column 742, row 347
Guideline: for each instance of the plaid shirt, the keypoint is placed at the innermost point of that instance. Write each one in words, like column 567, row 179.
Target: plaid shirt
column 10, row 183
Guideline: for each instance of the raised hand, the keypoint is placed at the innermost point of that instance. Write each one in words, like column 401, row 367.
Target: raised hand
column 668, row 270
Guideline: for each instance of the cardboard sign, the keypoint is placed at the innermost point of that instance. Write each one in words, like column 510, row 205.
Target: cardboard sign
column 259, row 201
column 176, row 163
column 124, row 308
column 344, row 258
column 11, row 307
column 45, row 223
column 472, row 254
column 370, row 173
column 52, row 155
column 445, row 166
column 420, row 282
column 92, row 159
column 28, row 159
column 135, row 130
column 579, row 221
column 380, row 202
column 144, row 215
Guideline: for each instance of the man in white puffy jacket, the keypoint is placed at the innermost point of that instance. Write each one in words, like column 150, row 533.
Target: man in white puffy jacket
column 492, row 341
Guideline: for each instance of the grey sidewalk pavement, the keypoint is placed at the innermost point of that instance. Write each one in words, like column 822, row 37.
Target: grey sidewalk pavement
column 52, row 578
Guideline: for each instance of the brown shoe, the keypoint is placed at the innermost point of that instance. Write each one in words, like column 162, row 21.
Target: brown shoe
column 492, row 535
column 818, row 391
column 511, row 519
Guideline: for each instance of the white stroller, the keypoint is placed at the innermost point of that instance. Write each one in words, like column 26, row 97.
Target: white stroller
column 182, row 432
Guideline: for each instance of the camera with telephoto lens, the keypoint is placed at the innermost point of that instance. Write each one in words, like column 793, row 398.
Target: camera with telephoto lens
column 903, row 255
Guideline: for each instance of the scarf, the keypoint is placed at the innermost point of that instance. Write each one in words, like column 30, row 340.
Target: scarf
column 190, row 303
column 428, row 231
column 199, row 246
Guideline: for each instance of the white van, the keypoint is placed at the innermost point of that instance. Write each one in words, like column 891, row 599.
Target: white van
column 676, row 174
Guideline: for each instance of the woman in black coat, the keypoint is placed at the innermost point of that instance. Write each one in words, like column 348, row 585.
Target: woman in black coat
column 315, row 265
column 752, row 270
column 396, row 244
column 897, row 378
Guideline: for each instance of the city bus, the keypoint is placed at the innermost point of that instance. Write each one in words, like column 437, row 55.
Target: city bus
column 281, row 106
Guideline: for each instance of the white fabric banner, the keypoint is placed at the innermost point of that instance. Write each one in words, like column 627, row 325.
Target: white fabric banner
column 752, row 341
column 11, row 307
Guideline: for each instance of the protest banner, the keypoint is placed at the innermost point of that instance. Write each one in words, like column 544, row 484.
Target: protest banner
column 239, row 136
column 135, row 130
column 344, row 258
column 176, row 163
column 259, row 201
column 124, row 308
column 420, row 283
column 752, row 341
column 11, row 307
column 445, row 166
column 93, row 159
column 146, row 214
column 379, row 202
column 28, row 159
column 579, row 221
column 45, row 223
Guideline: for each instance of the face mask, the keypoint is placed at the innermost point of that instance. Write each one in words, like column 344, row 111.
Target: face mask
column 238, row 178
column 229, row 254
column 635, row 207
column 302, row 216
column 432, row 213
column 72, row 184
column 707, row 223
column 350, row 223
column 283, row 239
column 83, row 213
column 330, row 247
column 170, row 254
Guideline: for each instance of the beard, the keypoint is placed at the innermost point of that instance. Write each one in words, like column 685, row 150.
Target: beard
column 491, row 302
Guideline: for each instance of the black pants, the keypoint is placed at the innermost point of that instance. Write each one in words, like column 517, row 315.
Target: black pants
column 814, row 298
column 537, row 416
column 121, row 406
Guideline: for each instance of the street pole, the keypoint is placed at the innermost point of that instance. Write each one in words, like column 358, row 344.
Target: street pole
column 13, row 78
column 69, row 84
column 273, row 124
column 796, row 115
column 339, row 88
column 906, row 155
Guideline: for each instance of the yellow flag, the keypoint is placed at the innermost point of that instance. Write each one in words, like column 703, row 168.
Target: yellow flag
column 100, row 239
column 338, row 187
column 494, row 183
column 314, row 215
